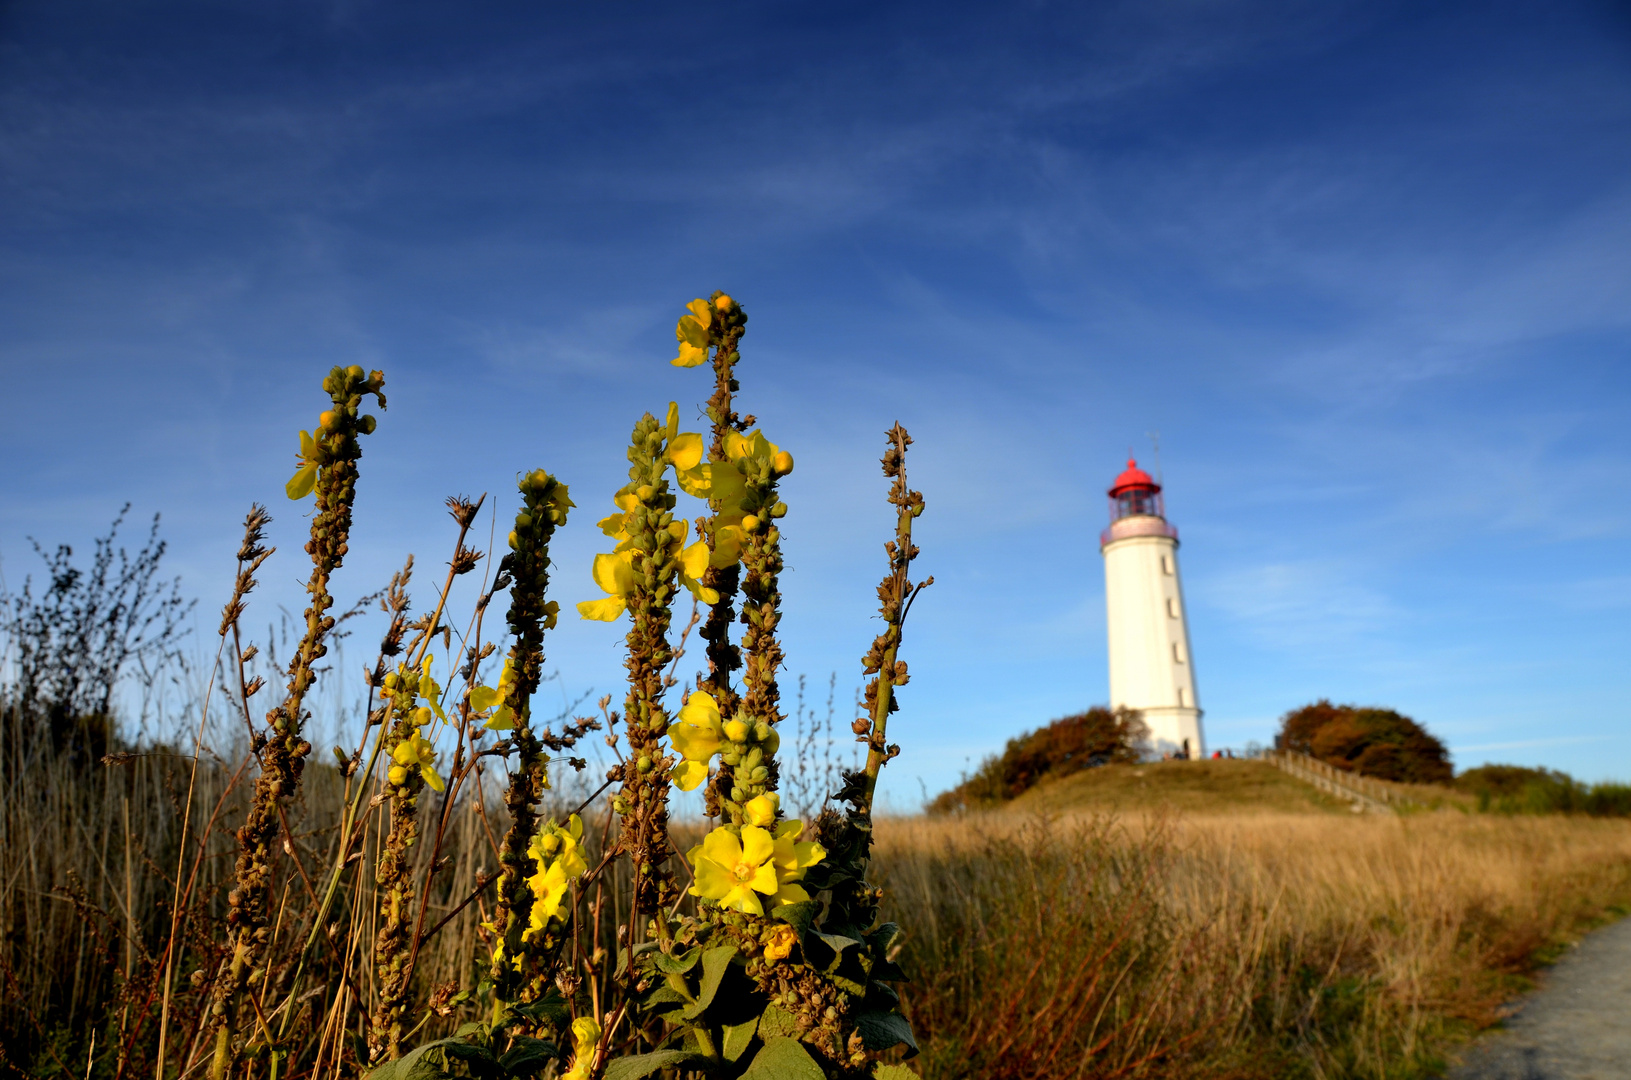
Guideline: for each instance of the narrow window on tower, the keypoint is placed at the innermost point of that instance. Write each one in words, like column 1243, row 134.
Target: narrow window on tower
column 1166, row 565
column 1183, row 699
column 1172, row 607
column 1177, row 652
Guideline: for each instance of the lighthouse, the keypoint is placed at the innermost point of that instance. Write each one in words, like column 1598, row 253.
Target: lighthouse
column 1151, row 669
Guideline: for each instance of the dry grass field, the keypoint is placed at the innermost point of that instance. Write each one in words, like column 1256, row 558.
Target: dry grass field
column 1244, row 942
column 1182, row 920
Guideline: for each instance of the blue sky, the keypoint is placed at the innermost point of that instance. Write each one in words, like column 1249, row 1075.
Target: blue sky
column 1365, row 267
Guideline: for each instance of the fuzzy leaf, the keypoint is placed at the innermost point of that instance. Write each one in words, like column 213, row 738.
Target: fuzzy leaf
column 418, row 1063
column 777, row 1021
column 738, row 1037
column 783, row 1059
column 825, row 952
column 883, row 1030
column 477, row 1058
column 884, row 937
column 678, row 965
column 892, row 1072
column 642, row 1065
column 528, row 1056
column 798, row 915
column 715, row 962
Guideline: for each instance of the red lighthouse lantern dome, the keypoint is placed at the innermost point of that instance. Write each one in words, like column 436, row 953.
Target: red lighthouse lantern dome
column 1134, row 494
column 1133, row 477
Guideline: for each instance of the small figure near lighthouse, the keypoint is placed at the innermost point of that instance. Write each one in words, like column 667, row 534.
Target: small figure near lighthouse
column 1151, row 669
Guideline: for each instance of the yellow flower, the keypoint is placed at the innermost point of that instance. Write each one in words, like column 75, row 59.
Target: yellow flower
column 415, row 753
column 615, row 574
column 558, row 853
column 483, row 698
column 697, row 736
column 692, row 333
column 431, row 691
column 793, row 857
column 694, row 562
column 736, row 873
column 685, row 451
column 305, row 476
column 750, row 445
column 762, row 811
column 780, row 943
column 614, row 571
column 723, row 302
column 585, row 1038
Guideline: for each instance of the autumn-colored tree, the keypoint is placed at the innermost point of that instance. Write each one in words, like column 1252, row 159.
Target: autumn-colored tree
column 1099, row 736
column 1367, row 740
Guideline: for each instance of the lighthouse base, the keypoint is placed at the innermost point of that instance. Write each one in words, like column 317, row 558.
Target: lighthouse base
column 1175, row 731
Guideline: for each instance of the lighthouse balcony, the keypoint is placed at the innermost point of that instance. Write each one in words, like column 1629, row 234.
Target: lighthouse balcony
column 1137, row 525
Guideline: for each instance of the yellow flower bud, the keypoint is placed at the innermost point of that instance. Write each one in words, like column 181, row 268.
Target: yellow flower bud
column 328, row 419
column 723, row 302
column 783, row 463
column 750, row 523
column 736, row 731
column 762, row 810
column 398, row 775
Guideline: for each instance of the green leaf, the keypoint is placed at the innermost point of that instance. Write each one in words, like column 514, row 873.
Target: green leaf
column 777, row 1021
column 678, row 965
column 666, row 995
column 889, row 971
column 838, row 943
column 479, row 1059
column 884, row 937
column 642, row 1065
column 471, row 1027
column 883, row 1030
column 715, row 962
column 418, row 1063
column 550, row 1009
column 738, row 1037
column 892, row 1072
column 799, row 915
column 783, row 1059
column 528, row 1056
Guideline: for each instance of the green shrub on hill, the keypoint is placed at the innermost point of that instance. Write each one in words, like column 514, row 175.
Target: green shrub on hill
column 1099, row 736
column 1375, row 742
column 1516, row 789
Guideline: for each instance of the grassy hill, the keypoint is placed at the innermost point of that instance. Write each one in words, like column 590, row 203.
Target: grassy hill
column 1193, row 787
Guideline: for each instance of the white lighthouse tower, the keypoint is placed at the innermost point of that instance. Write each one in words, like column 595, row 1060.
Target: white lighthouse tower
column 1151, row 669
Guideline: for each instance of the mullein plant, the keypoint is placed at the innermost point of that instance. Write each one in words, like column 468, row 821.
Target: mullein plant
column 508, row 708
column 782, row 970
column 640, row 576
column 409, row 743
column 327, row 466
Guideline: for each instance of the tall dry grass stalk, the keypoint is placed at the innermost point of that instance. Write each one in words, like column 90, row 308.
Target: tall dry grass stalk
column 1272, row 946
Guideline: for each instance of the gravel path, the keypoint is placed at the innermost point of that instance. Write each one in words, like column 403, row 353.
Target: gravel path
column 1577, row 1026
